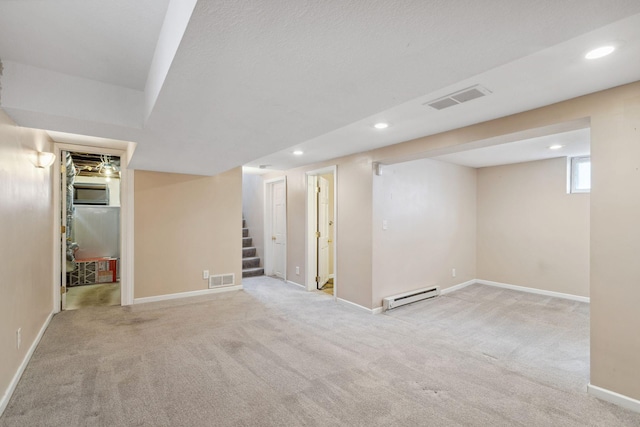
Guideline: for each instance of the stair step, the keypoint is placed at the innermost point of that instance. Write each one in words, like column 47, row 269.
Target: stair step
column 251, row 272
column 247, row 242
column 248, row 252
column 245, row 232
column 244, row 223
column 251, row 262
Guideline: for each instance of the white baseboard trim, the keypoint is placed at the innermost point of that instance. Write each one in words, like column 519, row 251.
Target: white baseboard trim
column 297, row 284
column 457, row 287
column 359, row 307
column 533, row 290
column 27, row 357
column 613, row 397
column 187, row 294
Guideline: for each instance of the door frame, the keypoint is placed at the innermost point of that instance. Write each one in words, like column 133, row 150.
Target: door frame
column 311, row 264
column 268, row 225
column 126, row 220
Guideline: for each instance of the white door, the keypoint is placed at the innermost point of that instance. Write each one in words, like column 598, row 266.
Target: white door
column 323, row 232
column 279, row 228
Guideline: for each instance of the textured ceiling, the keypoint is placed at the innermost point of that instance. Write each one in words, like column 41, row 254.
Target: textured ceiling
column 110, row 41
column 251, row 79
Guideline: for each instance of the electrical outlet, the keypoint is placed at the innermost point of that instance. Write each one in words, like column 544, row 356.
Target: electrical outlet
column 205, row 274
column 297, row 270
column 453, row 272
column 18, row 338
column 385, row 224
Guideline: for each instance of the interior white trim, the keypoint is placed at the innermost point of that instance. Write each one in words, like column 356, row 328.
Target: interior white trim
column 359, row 307
column 311, row 249
column 533, row 290
column 336, row 261
column 457, row 287
column 294, row 283
column 127, row 217
column 187, row 294
column 126, row 221
column 613, row 397
column 56, row 221
column 6, row 397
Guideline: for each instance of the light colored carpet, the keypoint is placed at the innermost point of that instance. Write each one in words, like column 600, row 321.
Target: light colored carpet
column 275, row 355
column 93, row 295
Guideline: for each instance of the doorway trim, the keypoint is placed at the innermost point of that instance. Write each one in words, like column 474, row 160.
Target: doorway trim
column 268, row 223
column 311, row 264
column 126, row 220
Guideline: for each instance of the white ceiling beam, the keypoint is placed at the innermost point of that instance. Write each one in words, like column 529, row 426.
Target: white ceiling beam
column 173, row 28
column 48, row 92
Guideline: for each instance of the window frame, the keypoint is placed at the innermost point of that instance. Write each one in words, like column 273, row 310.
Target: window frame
column 573, row 174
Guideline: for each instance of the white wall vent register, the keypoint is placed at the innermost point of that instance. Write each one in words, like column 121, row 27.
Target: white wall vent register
column 221, row 280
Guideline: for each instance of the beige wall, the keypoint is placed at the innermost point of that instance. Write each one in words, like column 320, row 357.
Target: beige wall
column 430, row 210
column 253, row 210
column 185, row 224
column 178, row 232
column 26, row 250
column 352, row 225
column 614, row 115
column 530, row 231
column 615, row 241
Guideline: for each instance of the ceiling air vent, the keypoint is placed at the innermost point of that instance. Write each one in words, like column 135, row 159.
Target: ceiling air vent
column 459, row 97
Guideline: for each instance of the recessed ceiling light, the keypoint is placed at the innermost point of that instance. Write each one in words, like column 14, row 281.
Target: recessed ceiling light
column 381, row 125
column 556, row 147
column 600, row 52
column 298, row 153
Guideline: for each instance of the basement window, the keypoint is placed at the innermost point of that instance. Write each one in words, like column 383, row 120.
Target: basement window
column 580, row 174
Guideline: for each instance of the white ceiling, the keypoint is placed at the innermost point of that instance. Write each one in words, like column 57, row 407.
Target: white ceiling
column 109, row 41
column 245, row 82
column 573, row 143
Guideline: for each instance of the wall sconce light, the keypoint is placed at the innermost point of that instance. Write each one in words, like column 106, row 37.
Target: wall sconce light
column 44, row 159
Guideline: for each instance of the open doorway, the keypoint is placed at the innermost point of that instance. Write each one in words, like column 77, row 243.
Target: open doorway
column 91, row 238
column 321, row 214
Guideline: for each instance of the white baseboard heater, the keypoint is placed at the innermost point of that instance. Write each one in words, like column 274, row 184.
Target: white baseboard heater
column 408, row 297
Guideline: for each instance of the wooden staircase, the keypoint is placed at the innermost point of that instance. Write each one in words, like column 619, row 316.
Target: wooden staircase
column 250, row 262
